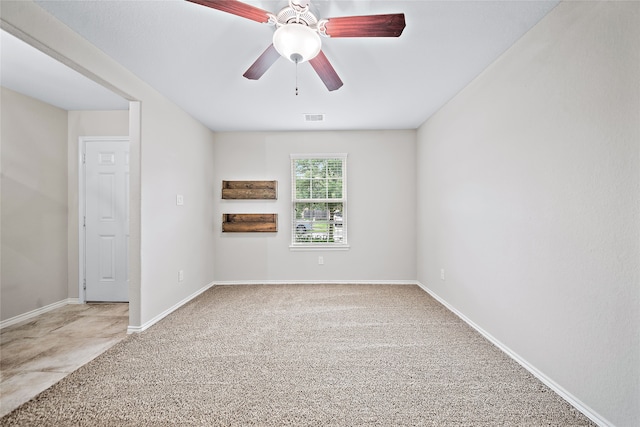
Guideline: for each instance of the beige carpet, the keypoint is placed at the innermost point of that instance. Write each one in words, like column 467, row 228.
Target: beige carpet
column 302, row 355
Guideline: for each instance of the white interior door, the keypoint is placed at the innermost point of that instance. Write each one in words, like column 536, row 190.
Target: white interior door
column 106, row 179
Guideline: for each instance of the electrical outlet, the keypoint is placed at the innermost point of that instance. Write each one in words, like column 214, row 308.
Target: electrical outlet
column 180, row 275
column 321, row 260
column 442, row 273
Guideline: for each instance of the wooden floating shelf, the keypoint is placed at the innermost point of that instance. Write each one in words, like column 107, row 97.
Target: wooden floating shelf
column 249, row 223
column 250, row 190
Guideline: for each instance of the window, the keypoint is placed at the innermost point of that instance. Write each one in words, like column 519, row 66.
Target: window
column 319, row 200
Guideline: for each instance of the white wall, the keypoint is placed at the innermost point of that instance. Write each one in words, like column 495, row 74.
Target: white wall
column 85, row 123
column 177, row 158
column 528, row 189
column 170, row 152
column 381, row 207
column 34, row 204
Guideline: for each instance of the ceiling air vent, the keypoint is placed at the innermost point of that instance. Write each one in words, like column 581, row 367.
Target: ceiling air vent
column 314, row 117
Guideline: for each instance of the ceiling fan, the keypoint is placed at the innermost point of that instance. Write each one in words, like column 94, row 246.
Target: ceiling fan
column 298, row 31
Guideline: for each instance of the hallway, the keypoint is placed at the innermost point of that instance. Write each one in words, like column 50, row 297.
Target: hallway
column 37, row 353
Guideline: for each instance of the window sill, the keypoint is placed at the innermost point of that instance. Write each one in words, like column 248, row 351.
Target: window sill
column 319, row 247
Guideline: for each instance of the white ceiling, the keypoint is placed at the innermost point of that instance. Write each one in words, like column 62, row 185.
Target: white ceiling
column 196, row 56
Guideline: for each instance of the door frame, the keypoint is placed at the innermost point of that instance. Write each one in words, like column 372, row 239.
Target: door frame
column 82, row 143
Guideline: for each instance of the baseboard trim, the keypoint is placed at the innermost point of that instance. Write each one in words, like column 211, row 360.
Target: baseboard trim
column 314, row 282
column 575, row 402
column 159, row 317
column 38, row 311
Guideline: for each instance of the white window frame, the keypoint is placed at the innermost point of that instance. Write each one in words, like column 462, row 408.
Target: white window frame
column 296, row 245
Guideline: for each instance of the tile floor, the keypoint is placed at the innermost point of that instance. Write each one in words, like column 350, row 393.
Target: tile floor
column 39, row 352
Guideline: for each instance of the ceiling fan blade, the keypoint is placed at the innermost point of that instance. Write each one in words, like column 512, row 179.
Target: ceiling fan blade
column 262, row 64
column 236, row 8
column 326, row 72
column 390, row 25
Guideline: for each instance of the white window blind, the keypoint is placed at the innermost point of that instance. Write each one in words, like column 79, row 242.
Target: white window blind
column 319, row 200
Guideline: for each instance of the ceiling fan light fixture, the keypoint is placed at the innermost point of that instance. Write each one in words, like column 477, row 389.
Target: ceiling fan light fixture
column 297, row 42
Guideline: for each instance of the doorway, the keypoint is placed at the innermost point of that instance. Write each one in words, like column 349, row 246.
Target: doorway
column 104, row 219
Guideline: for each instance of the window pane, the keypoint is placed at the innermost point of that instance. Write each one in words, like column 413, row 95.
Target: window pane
column 303, row 188
column 334, row 189
column 302, row 211
column 318, row 223
column 335, row 226
column 318, row 167
column 335, row 209
column 319, row 189
column 303, row 168
column 334, row 168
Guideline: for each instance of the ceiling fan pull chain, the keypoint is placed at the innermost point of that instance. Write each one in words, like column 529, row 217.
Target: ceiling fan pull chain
column 296, row 57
